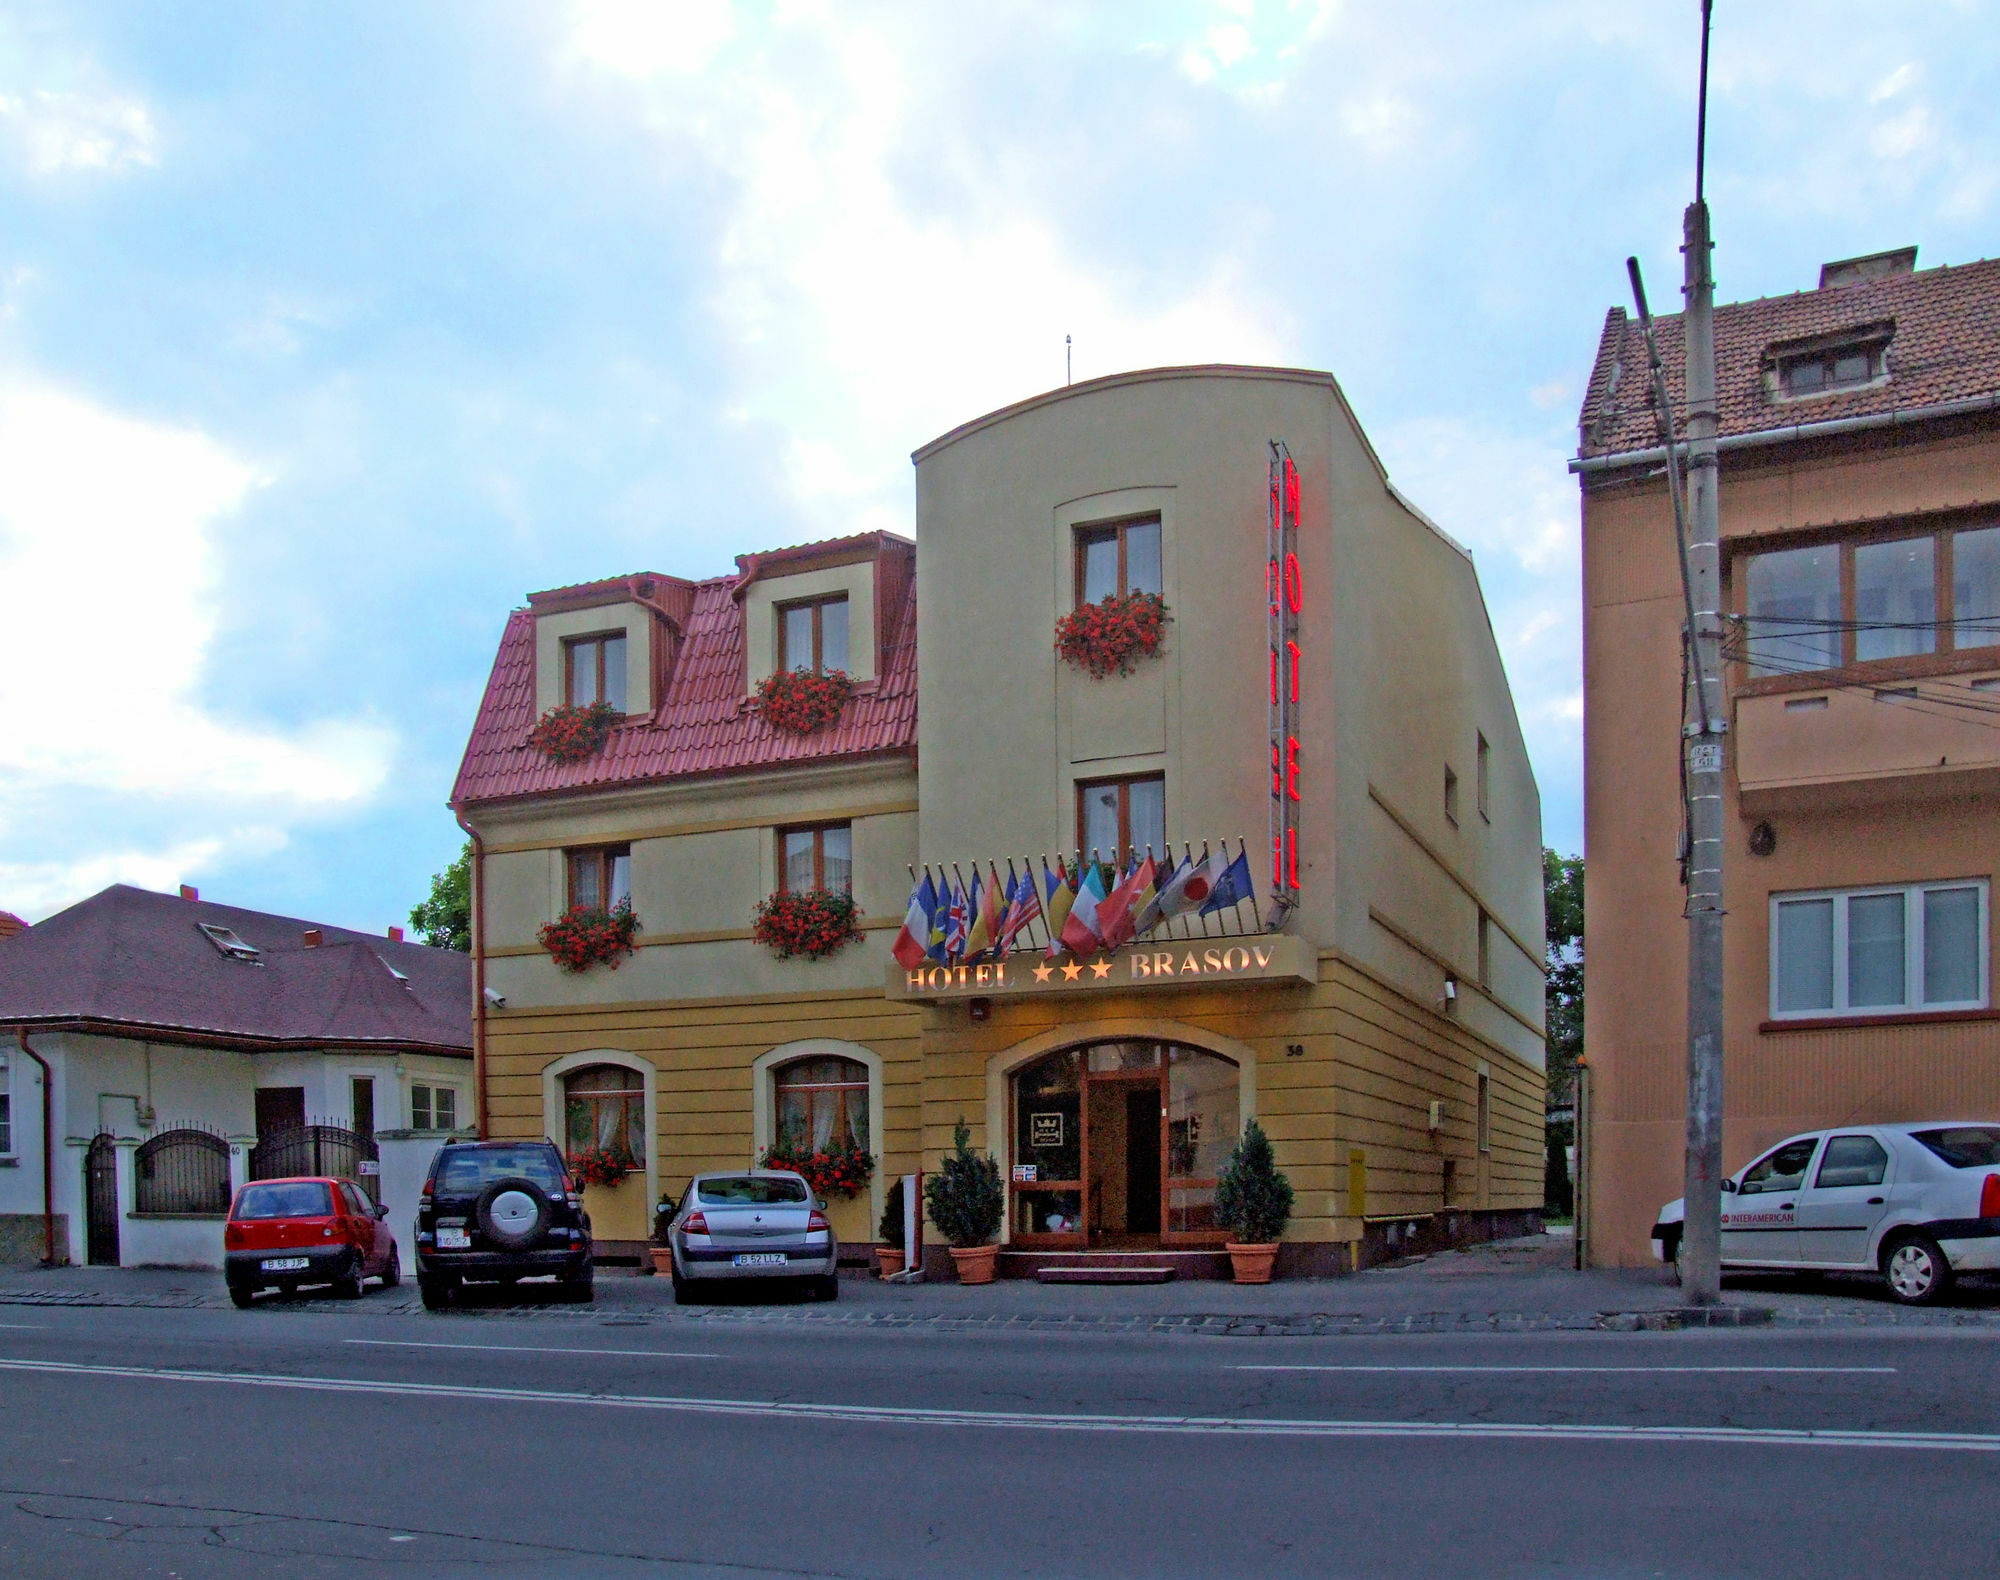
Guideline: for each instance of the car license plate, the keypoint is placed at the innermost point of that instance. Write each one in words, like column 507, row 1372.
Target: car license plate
column 454, row 1240
column 284, row 1264
column 762, row 1259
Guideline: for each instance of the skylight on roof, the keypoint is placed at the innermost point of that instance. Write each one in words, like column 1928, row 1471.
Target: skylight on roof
column 227, row 942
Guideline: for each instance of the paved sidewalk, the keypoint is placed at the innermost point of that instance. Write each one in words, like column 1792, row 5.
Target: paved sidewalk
column 1523, row 1286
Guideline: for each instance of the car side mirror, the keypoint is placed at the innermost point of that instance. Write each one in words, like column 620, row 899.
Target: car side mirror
column 381, row 1211
column 1728, row 1185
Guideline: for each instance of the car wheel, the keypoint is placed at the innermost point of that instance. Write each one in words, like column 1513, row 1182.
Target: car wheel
column 435, row 1292
column 392, row 1270
column 683, row 1292
column 348, row 1285
column 577, row 1291
column 241, row 1296
column 512, row 1213
column 1917, row 1272
column 827, row 1288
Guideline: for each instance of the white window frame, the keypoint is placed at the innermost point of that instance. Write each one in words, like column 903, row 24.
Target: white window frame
column 1913, row 951
column 432, row 1088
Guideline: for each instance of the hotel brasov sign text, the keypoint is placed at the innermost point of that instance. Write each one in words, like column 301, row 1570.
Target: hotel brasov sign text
column 1189, row 963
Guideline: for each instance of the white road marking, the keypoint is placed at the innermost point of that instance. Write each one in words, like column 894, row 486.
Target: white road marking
column 910, row 1415
column 535, row 1349
column 1871, row 1371
column 25, row 1326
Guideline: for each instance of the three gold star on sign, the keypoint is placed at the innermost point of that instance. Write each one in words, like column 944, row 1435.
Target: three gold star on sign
column 1100, row 968
column 1072, row 970
column 1044, row 971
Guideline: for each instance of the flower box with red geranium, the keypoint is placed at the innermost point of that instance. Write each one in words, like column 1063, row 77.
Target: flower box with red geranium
column 800, row 701
column 601, row 1165
column 586, row 935
column 841, row 1170
column 1113, row 634
column 570, row 733
column 809, row 922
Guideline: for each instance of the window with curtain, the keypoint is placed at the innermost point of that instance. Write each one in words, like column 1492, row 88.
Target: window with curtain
column 1879, row 951
column 816, row 858
column 605, row 1106
column 822, row 1103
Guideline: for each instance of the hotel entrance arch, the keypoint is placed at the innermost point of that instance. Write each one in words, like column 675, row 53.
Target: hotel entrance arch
column 1117, row 1142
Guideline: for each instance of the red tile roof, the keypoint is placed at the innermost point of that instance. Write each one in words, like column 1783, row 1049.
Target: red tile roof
column 10, row 924
column 130, row 959
column 701, row 725
column 1946, row 347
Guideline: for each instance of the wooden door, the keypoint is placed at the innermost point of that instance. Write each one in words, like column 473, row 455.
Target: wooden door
column 280, row 1108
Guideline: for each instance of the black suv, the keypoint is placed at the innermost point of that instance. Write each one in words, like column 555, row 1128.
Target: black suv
column 497, row 1212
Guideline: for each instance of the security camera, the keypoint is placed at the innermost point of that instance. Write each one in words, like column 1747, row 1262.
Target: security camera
column 1450, row 989
column 497, row 1000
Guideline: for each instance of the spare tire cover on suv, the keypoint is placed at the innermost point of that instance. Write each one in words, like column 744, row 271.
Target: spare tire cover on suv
column 512, row 1212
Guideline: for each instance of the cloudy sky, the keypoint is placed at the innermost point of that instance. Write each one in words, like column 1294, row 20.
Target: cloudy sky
column 328, row 332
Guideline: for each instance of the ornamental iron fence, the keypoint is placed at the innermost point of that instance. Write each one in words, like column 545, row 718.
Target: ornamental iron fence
column 184, row 1170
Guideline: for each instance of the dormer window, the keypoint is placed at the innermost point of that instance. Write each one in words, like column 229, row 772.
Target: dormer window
column 812, row 635
column 1828, row 365
column 229, row 943
column 594, row 670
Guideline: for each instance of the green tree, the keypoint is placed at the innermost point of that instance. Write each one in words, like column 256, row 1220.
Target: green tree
column 1562, row 891
column 444, row 921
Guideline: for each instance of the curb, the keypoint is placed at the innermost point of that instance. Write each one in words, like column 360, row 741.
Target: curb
column 1676, row 1318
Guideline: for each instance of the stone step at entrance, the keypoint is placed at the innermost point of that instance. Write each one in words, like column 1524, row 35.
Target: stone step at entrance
column 1133, row 1266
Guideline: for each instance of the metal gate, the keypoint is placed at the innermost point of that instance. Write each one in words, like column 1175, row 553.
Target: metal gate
column 331, row 1150
column 181, row 1171
column 100, row 1178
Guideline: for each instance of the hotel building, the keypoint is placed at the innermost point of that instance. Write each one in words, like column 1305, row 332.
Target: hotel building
column 1328, row 700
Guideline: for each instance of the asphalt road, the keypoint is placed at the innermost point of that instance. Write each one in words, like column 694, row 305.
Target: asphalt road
column 284, row 1442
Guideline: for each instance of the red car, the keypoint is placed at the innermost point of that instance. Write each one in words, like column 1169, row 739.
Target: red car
column 284, row 1233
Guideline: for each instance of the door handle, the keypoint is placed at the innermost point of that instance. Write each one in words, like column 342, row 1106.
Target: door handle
column 1784, row 1206
column 1875, row 1201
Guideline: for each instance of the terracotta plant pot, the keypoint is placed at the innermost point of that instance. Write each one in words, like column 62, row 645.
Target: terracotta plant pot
column 888, row 1259
column 1252, row 1262
column 663, row 1259
column 974, row 1262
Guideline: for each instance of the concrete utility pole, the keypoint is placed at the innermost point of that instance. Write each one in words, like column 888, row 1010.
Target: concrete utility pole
column 1703, row 739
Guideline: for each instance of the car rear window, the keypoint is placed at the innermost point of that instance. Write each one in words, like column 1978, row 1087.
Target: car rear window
column 1964, row 1146
column 298, row 1199
column 750, row 1192
column 474, row 1168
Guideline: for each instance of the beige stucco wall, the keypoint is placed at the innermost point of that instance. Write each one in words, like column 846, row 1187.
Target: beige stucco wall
column 1401, row 670
column 1832, row 832
column 634, row 620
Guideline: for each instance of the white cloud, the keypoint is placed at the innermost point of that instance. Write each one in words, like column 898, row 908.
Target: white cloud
column 56, row 132
column 1894, row 83
column 107, row 552
column 862, row 324
column 35, row 889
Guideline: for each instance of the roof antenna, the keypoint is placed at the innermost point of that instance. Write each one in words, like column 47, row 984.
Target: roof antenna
column 1066, row 378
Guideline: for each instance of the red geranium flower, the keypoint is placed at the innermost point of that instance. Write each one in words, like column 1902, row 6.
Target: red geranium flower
column 585, row 935
column 800, row 701
column 569, row 734
column 809, row 922
column 1113, row 633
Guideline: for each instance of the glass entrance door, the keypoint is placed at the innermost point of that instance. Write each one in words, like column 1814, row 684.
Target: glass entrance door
column 1119, row 1144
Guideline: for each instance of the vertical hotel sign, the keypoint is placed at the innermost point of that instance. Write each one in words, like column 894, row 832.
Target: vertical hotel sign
column 1284, row 596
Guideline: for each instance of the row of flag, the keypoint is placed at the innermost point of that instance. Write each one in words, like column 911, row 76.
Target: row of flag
column 1082, row 908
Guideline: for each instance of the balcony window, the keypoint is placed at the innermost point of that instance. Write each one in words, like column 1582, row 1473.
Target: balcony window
column 1890, row 600
column 1879, row 951
column 1895, row 599
column 1118, row 559
column 1792, row 599
column 813, row 636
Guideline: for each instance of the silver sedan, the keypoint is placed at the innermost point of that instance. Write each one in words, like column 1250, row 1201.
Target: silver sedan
column 752, row 1224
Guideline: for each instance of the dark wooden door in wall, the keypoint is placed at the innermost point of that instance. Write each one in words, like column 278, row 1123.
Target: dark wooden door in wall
column 280, row 1108
column 1142, row 1160
column 100, row 1179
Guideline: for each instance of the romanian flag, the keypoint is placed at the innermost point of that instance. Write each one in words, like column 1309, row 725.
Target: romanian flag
column 913, row 941
column 1079, row 929
column 1117, row 917
column 1024, row 904
column 1056, row 910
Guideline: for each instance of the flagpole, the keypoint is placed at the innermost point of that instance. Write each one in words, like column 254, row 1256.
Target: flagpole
column 1256, row 911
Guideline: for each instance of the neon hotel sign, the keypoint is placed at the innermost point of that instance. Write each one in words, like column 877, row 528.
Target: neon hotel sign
column 1284, row 597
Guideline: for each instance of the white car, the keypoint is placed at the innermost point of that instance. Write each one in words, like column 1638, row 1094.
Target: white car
column 1916, row 1203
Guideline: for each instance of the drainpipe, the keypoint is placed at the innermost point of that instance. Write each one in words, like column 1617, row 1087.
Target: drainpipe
column 48, row 1154
column 478, row 974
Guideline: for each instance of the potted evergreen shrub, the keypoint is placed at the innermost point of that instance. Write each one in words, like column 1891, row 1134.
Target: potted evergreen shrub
column 1255, row 1200
column 889, row 1232
column 966, row 1202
